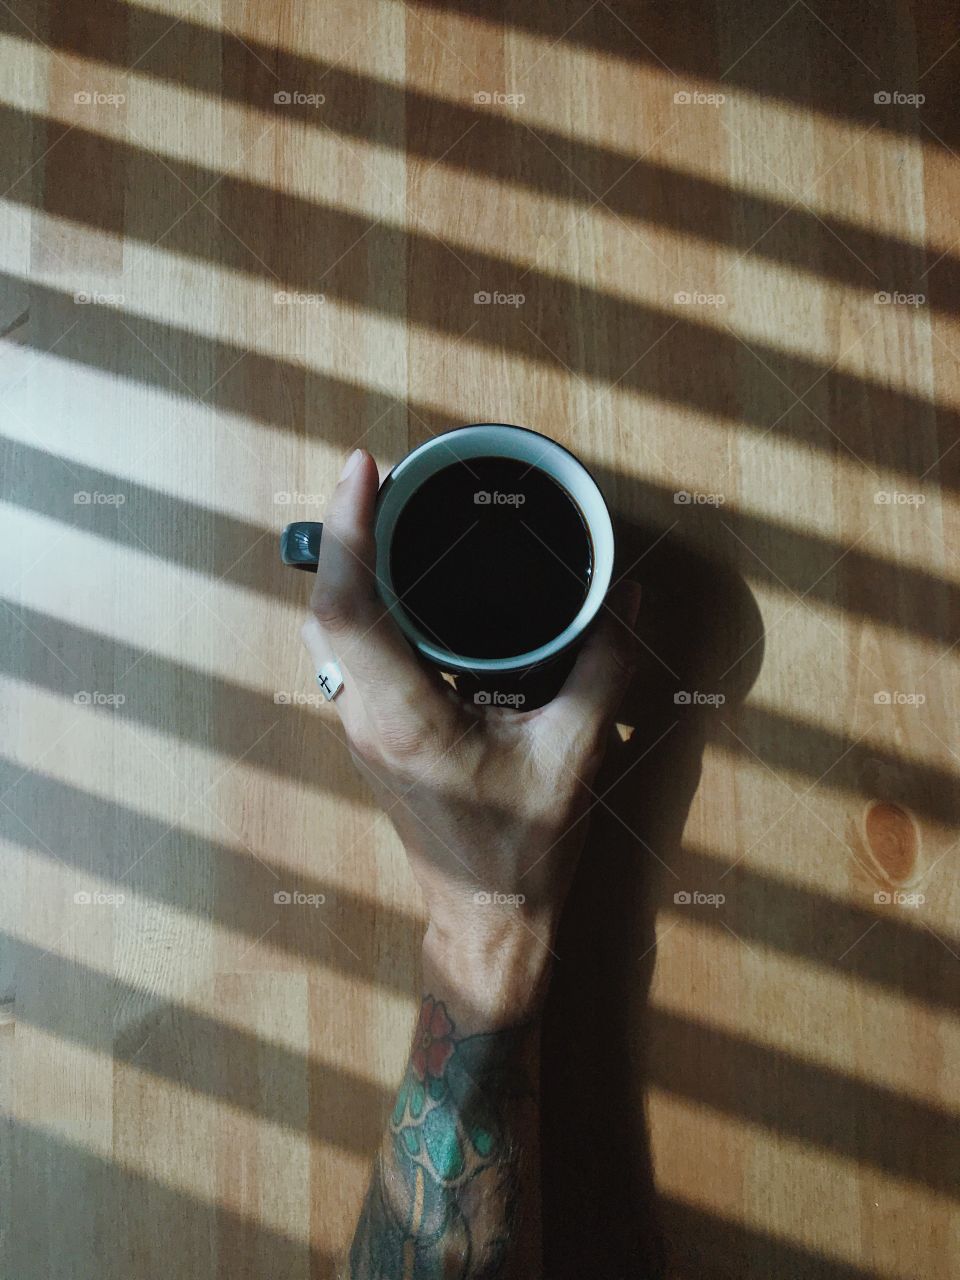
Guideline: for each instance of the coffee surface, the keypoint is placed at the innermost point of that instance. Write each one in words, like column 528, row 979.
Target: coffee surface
column 491, row 558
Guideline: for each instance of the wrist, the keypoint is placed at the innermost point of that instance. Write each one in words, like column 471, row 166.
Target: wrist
column 497, row 974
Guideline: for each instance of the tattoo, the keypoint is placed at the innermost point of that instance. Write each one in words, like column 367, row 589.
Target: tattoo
column 443, row 1200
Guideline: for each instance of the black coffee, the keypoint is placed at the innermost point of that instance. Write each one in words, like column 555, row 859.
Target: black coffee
column 491, row 558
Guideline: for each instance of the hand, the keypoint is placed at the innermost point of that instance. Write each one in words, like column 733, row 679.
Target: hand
column 490, row 803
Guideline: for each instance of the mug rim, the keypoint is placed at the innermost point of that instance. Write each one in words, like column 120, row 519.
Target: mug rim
column 598, row 522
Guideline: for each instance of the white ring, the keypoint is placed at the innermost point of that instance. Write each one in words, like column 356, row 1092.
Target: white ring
column 495, row 439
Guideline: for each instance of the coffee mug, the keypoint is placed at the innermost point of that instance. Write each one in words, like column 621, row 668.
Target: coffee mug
column 495, row 583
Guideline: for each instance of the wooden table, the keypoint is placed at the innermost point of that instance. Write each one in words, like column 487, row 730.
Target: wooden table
column 715, row 252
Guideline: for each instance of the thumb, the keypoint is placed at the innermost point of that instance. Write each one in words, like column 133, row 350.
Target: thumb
column 594, row 689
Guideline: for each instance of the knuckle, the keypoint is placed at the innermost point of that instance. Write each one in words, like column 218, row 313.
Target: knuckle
column 625, row 657
column 407, row 735
column 402, row 741
column 625, row 652
column 361, row 746
column 591, row 761
column 331, row 606
column 591, row 746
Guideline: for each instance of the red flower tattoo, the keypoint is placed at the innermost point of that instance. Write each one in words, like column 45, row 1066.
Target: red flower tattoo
column 432, row 1044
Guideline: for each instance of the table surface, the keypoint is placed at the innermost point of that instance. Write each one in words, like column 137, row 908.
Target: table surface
column 712, row 249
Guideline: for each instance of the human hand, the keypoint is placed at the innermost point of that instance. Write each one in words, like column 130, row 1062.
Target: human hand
column 489, row 803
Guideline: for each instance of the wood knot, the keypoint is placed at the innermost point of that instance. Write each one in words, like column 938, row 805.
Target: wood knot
column 892, row 841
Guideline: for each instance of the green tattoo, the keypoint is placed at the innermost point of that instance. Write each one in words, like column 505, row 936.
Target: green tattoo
column 443, row 1200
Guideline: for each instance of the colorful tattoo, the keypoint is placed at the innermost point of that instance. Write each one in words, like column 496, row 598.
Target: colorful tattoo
column 443, row 1202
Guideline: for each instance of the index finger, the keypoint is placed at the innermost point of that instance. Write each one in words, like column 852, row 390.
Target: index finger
column 369, row 647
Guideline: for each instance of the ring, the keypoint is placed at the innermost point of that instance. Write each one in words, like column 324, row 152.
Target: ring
column 330, row 679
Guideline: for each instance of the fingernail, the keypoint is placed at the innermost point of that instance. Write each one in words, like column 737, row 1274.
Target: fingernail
column 350, row 464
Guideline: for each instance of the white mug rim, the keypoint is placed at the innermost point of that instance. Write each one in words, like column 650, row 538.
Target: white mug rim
column 484, row 439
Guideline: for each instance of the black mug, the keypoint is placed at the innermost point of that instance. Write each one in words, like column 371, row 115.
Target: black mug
column 486, row 445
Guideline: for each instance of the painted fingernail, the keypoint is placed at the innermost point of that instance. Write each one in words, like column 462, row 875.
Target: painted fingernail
column 350, row 464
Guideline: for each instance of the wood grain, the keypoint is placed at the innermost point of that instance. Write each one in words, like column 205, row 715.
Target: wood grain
column 238, row 241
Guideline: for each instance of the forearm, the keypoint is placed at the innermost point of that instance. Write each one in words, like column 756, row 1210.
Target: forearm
column 454, row 1190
